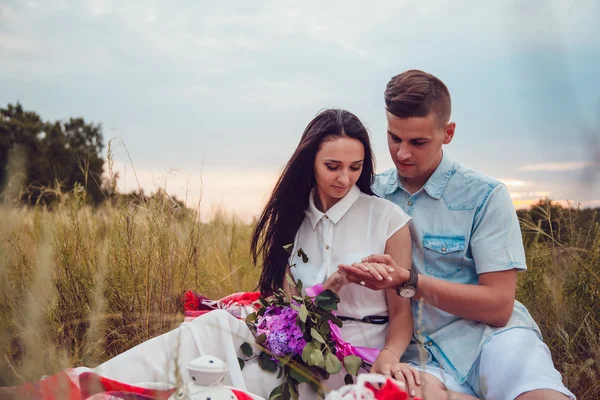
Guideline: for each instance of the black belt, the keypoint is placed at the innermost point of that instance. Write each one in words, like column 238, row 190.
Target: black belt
column 369, row 319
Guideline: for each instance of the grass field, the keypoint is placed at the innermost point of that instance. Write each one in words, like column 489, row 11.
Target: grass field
column 79, row 285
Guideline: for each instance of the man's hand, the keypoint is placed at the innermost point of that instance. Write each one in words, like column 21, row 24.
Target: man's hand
column 376, row 272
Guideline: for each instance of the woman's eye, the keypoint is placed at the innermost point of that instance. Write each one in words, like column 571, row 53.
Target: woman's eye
column 354, row 168
column 331, row 168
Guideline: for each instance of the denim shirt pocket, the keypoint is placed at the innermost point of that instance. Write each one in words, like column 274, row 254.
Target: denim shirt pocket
column 443, row 254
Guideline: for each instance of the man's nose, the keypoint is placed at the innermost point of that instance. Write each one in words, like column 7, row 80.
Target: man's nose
column 403, row 153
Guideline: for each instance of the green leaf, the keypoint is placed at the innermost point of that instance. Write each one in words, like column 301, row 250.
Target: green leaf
column 336, row 321
column 316, row 335
column 299, row 285
column 316, row 358
column 280, row 373
column 302, row 254
column 293, row 389
column 250, row 318
column 265, row 362
column 303, row 313
column 290, row 280
column 288, row 248
column 327, row 300
column 307, row 351
column 324, row 329
column 317, row 387
column 241, row 362
column 299, row 375
column 332, row 364
column 277, row 392
column 261, row 339
column 247, row 349
column 352, row 364
column 348, row 380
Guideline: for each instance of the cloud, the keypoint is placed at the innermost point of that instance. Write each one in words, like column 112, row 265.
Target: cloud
column 560, row 166
column 515, row 182
column 531, row 195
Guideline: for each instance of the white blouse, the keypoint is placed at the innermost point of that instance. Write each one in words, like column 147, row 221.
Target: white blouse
column 358, row 225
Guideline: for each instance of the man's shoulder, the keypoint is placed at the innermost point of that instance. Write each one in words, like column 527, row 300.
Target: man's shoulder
column 383, row 180
column 468, row 188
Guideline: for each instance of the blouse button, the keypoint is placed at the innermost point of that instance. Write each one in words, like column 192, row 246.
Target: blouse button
column 326, row 217
column 327, row 247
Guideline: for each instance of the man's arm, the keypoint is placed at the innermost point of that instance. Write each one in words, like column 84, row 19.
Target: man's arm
column 497, row 251
column 490, row 302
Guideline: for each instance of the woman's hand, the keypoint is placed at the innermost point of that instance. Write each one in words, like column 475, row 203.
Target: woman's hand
column 388, row 363
column 336, row 281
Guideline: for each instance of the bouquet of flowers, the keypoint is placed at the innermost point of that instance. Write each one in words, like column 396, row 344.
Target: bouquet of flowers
column 298, row 337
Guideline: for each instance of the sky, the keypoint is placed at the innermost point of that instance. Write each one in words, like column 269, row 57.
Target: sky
column 210, row 98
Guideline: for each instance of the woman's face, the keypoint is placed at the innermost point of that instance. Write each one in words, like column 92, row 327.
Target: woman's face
column 338, row 165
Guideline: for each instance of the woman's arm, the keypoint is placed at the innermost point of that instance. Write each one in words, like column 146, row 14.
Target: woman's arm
column 401, row 325
column 400, row 329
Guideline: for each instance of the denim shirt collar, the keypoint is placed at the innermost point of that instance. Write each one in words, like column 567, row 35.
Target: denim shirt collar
column 336, row 212
column 435, row 184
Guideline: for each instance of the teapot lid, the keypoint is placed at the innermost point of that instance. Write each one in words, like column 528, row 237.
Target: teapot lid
column 207, row 364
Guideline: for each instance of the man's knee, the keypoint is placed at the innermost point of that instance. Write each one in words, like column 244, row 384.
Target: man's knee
column 517, row 363
column 542, row 394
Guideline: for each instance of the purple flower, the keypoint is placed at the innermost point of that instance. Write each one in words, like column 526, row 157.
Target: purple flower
column 284, row 336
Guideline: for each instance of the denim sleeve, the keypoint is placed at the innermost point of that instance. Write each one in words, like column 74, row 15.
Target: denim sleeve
column 496, row 242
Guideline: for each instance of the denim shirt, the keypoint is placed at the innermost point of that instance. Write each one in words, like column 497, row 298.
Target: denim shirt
column 464, row 224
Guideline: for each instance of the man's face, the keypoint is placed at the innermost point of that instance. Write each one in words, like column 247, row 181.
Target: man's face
column 416, row 146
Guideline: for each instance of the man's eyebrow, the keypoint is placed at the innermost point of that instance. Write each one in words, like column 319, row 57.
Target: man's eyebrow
column 412, row 139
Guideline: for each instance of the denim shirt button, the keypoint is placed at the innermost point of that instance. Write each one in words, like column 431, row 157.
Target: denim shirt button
column 410, row 203
column 430, row 343
column 443, row 249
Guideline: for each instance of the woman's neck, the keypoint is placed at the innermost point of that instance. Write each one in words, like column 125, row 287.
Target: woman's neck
column 324, row 202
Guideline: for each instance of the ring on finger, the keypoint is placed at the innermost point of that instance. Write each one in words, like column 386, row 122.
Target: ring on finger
column 397, row 372
column 363, row 283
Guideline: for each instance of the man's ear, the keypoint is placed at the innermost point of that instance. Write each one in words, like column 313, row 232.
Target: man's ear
column 449, row 132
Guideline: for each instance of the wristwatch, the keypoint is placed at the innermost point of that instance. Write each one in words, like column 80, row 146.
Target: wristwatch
column 409, row 288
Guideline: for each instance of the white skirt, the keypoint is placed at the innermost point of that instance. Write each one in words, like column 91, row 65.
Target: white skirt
column 164, row 359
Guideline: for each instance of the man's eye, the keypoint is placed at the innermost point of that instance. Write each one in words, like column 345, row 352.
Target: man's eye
column 395, row 139
column 419, row 143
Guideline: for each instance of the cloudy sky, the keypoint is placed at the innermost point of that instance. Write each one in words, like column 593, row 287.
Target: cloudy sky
column 210, row 98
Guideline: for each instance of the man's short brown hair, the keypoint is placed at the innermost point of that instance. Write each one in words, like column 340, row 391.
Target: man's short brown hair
column 416, row 93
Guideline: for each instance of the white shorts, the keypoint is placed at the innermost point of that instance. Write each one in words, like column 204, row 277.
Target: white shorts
column 511, row 363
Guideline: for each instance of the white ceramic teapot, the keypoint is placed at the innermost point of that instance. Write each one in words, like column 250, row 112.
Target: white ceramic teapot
column 207, row 373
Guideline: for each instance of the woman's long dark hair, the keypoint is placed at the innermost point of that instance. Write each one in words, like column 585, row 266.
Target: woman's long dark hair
column 285, row 211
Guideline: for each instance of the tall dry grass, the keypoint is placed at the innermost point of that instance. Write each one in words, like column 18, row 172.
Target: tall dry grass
column 80, row 285
column 561, row 289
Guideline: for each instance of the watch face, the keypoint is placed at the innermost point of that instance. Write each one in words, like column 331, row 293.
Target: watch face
column 407, row 292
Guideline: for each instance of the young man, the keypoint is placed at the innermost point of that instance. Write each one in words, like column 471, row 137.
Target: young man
column 467, row 249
